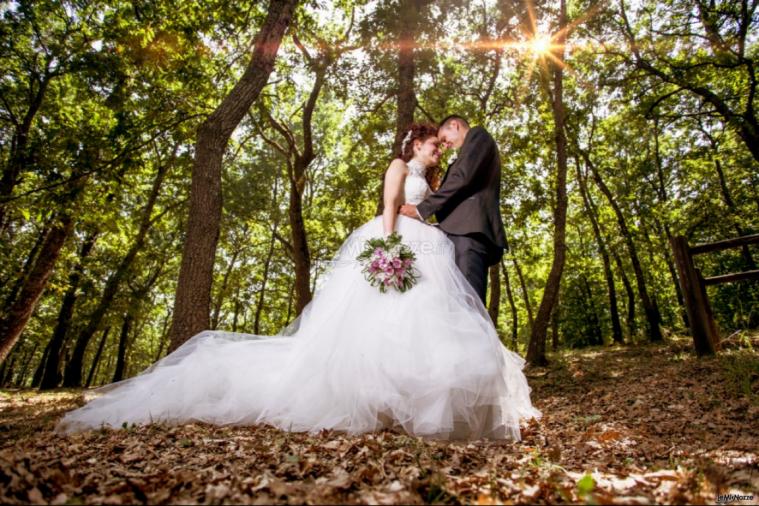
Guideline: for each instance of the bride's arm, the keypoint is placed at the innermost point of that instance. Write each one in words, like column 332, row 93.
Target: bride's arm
column 393, row 196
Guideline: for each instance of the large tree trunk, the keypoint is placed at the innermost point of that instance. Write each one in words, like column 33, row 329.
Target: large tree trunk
column 405, row 95
column 297, row 174
column 652, row 314
column 536, row 347
column 51, row 376
column 193, row 296
column 14, row 321
column 616, row 326
column 72, row 376
column 512, row 305
column 300, row 250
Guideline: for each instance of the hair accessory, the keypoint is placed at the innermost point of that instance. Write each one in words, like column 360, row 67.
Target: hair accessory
column 406, row 141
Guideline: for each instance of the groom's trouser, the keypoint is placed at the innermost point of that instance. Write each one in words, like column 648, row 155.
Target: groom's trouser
column 472, row 260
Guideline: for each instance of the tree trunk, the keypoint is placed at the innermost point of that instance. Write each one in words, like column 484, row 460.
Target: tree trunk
column 37, row 378
column 96, row 358
column 164, row 335
column 405, row 96
column 193, row 295
column 52, row 376
column 631, row 326
column 663, row 229
column 512, row 305
column 72, row 376
column 651, row 248
column 523, row 287
column 14, row 321
column 297, row 173
column 8, row 368
column 596, row 336
column 290, row 303
column 21, row 378
column 3, row 369
column 616, row 326
column 132, row 312
column 223, row 289
column 661, row 190
column 652, row 316
column 236, row 311
column 536, row 347
column 126, row 328
column 264, row 280
column 494, row 304
column 301, row 252
column 555, row 327
column 21, row 277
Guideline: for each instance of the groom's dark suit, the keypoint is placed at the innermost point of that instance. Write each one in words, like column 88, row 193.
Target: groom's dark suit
column 467, row 207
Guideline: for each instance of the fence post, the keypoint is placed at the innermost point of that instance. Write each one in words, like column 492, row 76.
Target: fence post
column 702, row 325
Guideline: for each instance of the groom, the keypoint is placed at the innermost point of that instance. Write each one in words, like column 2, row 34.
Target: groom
column 467, row 203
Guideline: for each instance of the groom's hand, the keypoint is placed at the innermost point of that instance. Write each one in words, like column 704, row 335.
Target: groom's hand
column 409, row 210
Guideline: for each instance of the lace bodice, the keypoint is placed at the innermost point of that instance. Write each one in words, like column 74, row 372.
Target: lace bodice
column 415, row 188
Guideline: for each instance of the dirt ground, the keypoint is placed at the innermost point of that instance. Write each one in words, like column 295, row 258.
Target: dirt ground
column 623, row 425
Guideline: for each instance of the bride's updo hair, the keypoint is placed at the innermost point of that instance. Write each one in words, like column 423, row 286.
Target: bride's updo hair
column 420, row 132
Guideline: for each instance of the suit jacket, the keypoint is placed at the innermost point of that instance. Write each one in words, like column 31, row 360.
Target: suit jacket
column 468, row 200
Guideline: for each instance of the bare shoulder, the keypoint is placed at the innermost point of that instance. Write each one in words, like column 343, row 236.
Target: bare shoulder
column 397, row 167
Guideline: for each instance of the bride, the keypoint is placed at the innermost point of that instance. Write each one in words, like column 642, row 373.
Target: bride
column 427, row 361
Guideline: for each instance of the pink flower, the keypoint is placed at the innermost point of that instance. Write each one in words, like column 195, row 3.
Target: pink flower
column 397, row 262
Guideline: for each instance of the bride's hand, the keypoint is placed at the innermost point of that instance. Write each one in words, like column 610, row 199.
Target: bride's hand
column 409, row 210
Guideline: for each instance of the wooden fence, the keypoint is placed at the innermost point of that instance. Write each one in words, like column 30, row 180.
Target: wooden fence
column 700, row 318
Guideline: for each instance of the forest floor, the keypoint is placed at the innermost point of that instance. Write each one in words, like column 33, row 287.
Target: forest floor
column 621, row 425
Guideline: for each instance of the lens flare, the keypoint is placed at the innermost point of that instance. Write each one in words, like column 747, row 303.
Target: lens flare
column 541, row 44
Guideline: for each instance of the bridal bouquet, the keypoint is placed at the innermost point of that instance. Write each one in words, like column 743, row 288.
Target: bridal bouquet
column 388, row 263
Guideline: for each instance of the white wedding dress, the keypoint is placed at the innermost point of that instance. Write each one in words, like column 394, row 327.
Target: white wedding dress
column 427, row 361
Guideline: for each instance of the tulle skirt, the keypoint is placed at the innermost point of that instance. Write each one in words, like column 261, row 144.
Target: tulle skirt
column 427, row 361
